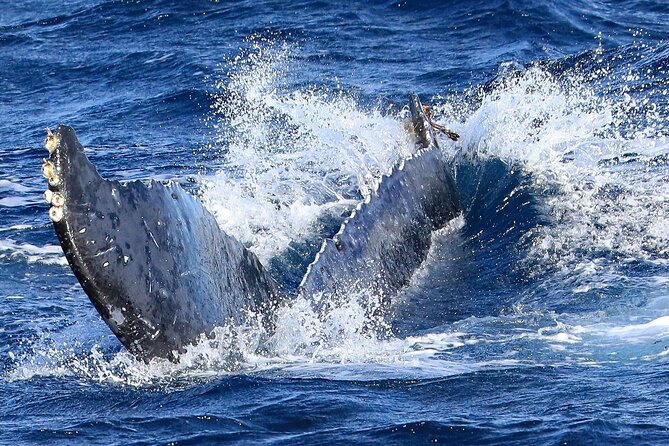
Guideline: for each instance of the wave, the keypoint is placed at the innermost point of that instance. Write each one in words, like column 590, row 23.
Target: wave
column 47, row 255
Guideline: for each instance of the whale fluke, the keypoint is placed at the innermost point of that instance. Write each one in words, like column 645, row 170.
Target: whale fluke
column 151, row 258
column 161, row 272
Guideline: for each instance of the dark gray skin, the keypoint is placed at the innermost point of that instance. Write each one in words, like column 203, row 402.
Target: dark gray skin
column 161, row 273
column 386, row 238
column 151, row 258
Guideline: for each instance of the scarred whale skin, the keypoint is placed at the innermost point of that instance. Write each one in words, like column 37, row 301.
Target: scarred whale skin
column 152, row 259
column 161, row 273
column 387, row 237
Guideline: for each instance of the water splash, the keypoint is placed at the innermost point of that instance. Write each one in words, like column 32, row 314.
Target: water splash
column 602, row 185
column 290, row 155
column 231, row 352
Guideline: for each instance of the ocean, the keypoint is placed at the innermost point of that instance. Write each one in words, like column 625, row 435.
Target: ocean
column 541, row 315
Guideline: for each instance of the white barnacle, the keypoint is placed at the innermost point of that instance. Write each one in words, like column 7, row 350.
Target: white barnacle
column 48, row 169
column 56, row 213
column 54, row 181
column 48, row 195
column 51, row 142
column 57, row 199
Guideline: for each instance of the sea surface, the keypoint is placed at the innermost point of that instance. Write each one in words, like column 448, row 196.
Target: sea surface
column 541, row 315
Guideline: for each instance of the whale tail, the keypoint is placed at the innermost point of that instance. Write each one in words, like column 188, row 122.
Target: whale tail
column 161, row 273
column 151, row 258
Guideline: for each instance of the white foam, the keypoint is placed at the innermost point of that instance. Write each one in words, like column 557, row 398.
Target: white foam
column 47, row 254
column 290, row 155
column 18, row 201
column 650, row 331
column 233, row 352
column 16, row 228
column 7, row 185
column 15, row 194
column 563, row 132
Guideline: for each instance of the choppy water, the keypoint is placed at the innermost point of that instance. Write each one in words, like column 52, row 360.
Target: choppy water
column 540, row 317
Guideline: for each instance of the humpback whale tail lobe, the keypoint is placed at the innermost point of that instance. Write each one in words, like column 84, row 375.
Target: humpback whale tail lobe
column 387, row 237
column 151, row 258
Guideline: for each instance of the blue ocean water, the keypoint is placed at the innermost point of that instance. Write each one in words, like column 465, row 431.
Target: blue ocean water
column 541, row 315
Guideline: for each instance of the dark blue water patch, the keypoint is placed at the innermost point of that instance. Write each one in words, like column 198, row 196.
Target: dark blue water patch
column 15, row 40
column 618, row 289
column 522, row 406
column 104, row 46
